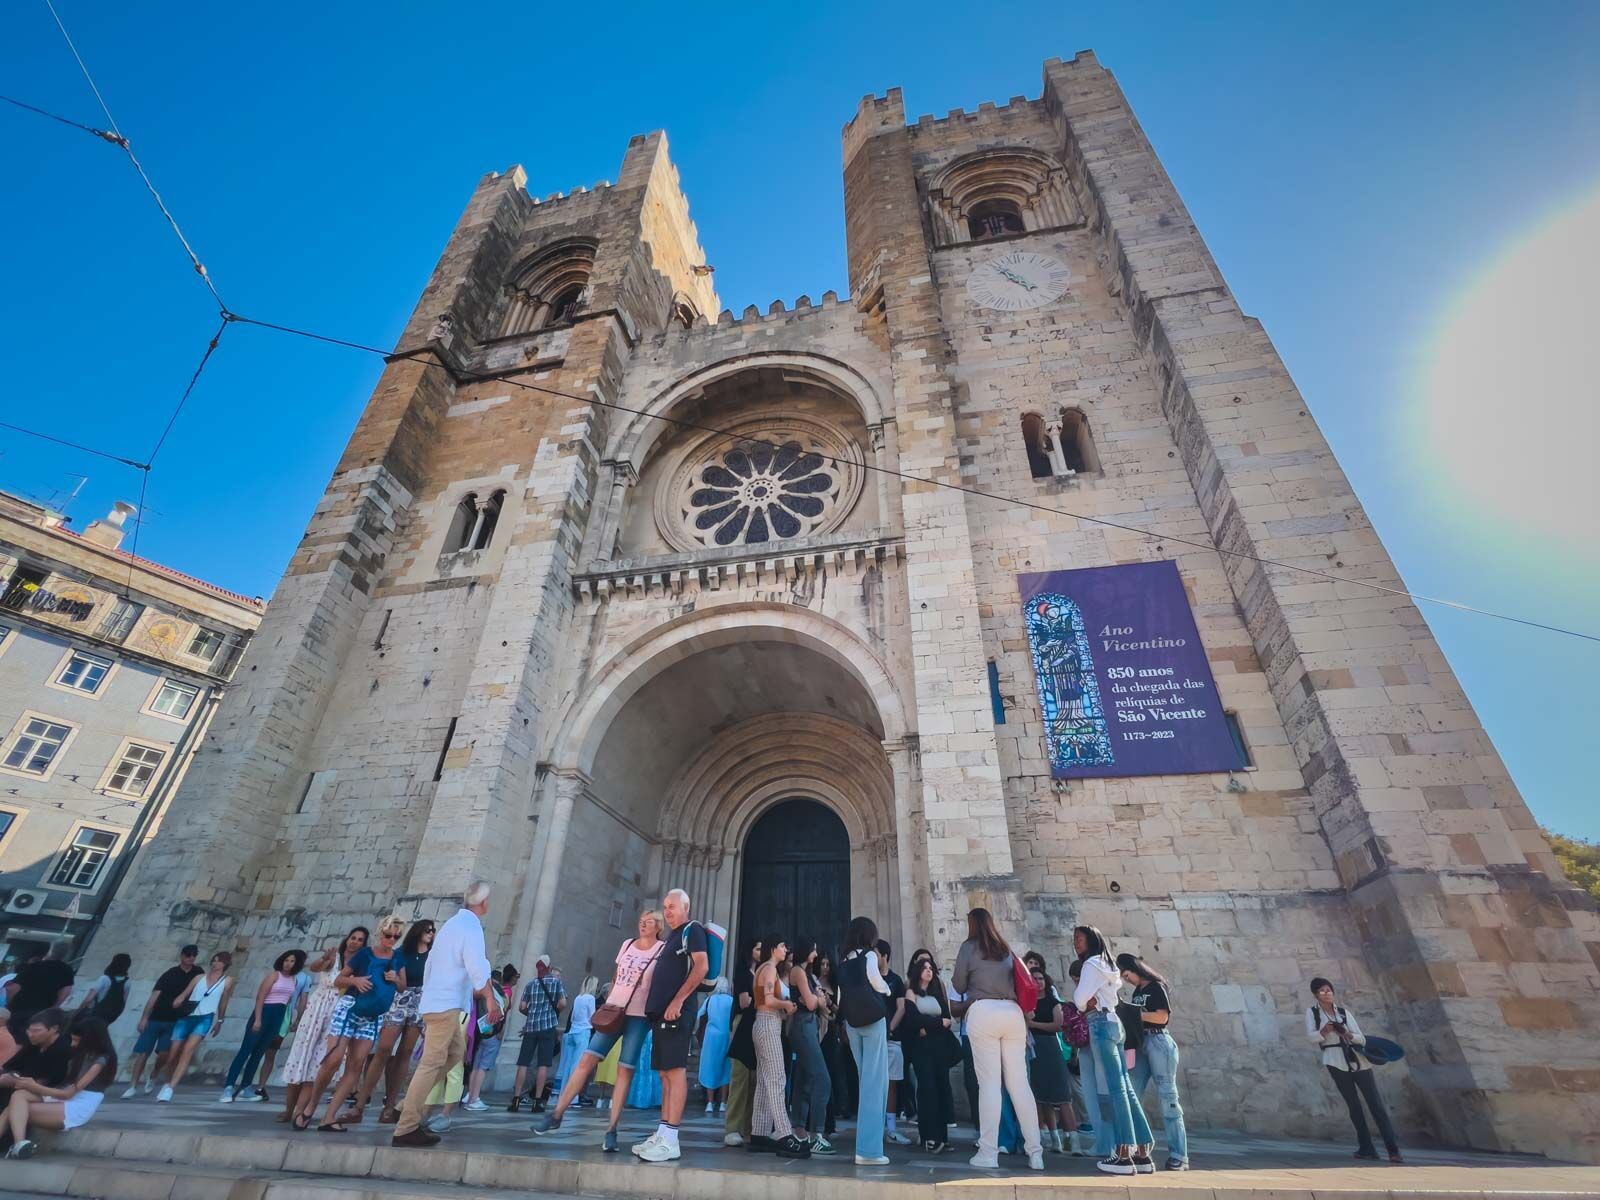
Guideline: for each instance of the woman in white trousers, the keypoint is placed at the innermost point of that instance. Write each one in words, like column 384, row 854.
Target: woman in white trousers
column 998, row 1034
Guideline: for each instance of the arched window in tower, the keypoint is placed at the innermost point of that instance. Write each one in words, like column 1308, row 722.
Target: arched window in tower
column 996, row 193
column 683, row 313
column 473, row 523
column 1077, row 446
column 549, row 289
column 994, row 218
column 1037, row 444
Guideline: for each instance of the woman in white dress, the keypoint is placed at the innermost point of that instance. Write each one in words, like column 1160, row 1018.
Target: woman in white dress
column 311, row 1036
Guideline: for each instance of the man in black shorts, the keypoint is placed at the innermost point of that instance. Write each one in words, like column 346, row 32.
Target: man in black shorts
column 671, row 1005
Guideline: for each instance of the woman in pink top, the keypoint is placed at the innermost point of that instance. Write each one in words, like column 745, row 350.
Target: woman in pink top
column 630, row 986
column 272, row 1002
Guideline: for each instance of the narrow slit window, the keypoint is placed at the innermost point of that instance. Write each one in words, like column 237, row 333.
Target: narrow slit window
column 1036, row 442
column 444, row 750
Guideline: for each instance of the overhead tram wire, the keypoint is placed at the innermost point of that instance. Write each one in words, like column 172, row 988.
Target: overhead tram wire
column 115, row 139
column 121, row 140
column 1152, row 535
column 79, row 446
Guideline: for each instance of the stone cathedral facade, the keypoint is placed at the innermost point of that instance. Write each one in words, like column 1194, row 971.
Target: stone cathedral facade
column 613, row 591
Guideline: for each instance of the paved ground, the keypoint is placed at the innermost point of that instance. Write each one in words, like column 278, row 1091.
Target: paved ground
column 1224, row 1163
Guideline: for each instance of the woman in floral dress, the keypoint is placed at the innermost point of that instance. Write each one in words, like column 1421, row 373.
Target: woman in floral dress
column 311, row 1040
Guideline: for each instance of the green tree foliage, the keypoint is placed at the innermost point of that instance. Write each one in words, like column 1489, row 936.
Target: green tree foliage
column 1579, row 859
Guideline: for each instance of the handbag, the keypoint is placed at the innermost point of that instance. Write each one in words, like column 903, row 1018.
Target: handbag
column 1074, row 1026
column 859, row 1004
column 947, row 1049
column 1027, row 989
column 609, row 1018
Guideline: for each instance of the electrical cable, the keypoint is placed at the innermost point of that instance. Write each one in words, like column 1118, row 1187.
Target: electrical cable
column 127, row 149
column 1153, row 535
column 114, row 138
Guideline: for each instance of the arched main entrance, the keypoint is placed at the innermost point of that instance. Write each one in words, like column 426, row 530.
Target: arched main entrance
column 796, row 878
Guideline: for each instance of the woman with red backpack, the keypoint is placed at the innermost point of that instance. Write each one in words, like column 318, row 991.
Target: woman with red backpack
column 997, row 988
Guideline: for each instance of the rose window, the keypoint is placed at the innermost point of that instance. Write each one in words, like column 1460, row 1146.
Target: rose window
column 760, row 492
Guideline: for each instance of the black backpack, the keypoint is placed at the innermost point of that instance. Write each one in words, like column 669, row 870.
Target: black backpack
column 109, row 1007
column 859, row 1004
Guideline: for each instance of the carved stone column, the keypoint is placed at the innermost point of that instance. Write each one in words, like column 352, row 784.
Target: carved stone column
column 570, row 786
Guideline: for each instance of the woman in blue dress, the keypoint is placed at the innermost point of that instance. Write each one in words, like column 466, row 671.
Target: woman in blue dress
column 716, row 1032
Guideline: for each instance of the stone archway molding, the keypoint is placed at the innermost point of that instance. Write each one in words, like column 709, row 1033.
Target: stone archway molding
column 636, row 664
column 635, row 440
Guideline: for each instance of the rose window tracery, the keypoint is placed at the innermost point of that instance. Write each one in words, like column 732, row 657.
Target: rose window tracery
column 761, row 493
column 764, row 482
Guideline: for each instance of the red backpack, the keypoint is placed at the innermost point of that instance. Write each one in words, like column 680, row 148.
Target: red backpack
column 1027, row 989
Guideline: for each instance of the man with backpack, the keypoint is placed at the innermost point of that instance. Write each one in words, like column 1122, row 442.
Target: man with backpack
column 109, row 995
column 671, row 1005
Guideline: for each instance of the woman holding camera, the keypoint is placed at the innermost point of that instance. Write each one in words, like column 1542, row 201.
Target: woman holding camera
column 1336, row 1033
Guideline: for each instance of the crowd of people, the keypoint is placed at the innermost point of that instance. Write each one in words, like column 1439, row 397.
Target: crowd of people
column 790, row 1042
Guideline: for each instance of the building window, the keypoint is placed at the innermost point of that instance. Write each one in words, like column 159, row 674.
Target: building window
column 174, row 699
column 549, row 289
column 1062, row 449
column 7, row 820
column 207, row 643
column 83, row 861
column 134, row 770
column 683, row 313
column 994, row 218
column 24, row 582
column 1037, row 444
column 119, row 622
column 5, row 637
column 472, row 527
column 84, row 672
column 757, row 492
column 1240, row 746
column 36, row 745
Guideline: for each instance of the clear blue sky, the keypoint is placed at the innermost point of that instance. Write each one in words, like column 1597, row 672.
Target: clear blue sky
column 1355, row 168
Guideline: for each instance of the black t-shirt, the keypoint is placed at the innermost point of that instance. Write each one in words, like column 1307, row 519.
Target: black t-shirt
column 1151, row 997
column 672, row 969
column 38, row 986
column 1045, row 1010
column 48, row 1066
column 744, row 982
column 168, row 988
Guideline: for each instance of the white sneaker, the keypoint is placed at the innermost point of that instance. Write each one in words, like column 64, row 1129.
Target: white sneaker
column 149, row 1085
column 657, row 1150
column 164, row 1096
column 133, row 1090
column 226, row 1097
column 1036, row 1161
column 733, row 1139
column 985, row 1162
column 898, row 1138
column 475, row 1106
column 438, row 1123
column 640, row 1147
column 248, row 1096
column 863, row 1161
column 708, row 1108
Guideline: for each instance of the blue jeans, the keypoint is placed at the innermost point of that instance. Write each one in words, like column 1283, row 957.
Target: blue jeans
column 1127, row 1118
column 870, row 1048
column 808, row 1100
column 1158, row 1059
column 256, row 1041
column 1094, row 1104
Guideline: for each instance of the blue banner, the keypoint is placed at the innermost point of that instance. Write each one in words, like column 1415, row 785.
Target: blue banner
column 1124, row 683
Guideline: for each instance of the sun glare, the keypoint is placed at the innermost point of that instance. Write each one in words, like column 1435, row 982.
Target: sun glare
column 1510, row 391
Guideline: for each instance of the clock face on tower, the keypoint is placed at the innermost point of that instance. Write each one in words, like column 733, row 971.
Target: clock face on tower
column 1018, row 280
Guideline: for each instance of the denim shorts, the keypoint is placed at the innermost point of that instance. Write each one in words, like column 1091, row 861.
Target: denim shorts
column 634, row 1032
column 488, row 1053
column 185, row 1028
column 157, row 1036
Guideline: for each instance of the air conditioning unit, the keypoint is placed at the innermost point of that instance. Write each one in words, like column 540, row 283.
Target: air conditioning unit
column 24, row 901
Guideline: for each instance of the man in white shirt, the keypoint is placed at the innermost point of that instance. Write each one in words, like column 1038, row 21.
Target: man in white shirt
column 458, row 969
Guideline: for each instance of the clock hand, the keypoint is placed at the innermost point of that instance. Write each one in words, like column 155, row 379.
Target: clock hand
column 1015, row 278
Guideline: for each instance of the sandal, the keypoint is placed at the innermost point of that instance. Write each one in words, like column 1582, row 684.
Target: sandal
column 389, row 1116
column 332, row 1127
column 352, row 1116
column 302, row 1122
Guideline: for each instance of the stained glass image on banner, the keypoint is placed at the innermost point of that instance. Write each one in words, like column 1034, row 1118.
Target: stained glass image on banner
column 1074, row 721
